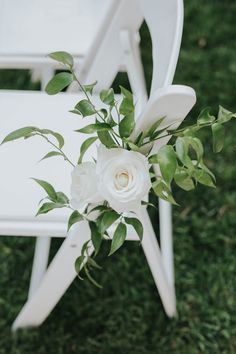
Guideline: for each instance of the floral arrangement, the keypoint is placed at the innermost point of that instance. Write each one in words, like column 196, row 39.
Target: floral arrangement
column 109, row 191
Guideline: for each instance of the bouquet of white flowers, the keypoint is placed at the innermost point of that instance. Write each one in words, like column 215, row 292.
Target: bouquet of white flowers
column 109, row 191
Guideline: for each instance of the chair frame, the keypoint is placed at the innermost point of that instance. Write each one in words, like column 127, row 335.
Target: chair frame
column 42, row 297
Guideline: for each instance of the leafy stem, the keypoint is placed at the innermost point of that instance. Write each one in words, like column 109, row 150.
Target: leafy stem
column 90, row 101
column 177, row 131
column 56, row 147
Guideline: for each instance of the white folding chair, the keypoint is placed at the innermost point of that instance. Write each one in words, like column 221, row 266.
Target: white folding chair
column 20, row 197
column 25, row 43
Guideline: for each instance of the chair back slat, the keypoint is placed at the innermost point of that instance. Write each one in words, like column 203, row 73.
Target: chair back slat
column 165, row 23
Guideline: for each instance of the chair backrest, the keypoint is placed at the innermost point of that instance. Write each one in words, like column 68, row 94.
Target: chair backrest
column 165, row 22
column 109, row 56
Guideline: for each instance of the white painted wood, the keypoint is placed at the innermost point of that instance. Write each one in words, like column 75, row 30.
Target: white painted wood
column 164, row 101
column 36, row 28
column 110, row 56
column 26, row 55
column 40, row 263
column 155, row 261
column 165, row 225
column 165, row 22
column 43, row 102
column 56, row 280
column 63, row 25
column 134, row 67
column 61, row 273
column 172, row 102
column 166, row 32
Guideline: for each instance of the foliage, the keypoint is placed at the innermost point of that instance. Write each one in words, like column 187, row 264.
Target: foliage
column 182, row 162
column 204, row 238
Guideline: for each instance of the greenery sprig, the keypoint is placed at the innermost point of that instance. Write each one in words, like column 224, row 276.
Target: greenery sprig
column 181, row 162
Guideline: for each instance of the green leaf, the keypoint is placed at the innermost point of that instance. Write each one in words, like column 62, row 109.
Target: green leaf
column 78, row 263
column 58, row 83
column 205, row 117
column 207, row 170
column 46, row 207
column 85, row 107
column 218, row 133
column 62, row 198
column 107, row 220
column 100, row 208
column 59, row 138
column 153, row 159
column 19, row 133
column 168, row 162
column 127, row 105
column 163, row 192
column 85, row 146
column 62, row 57
column 89, row 88
column 138, row 141
column 91, row 279
column 75, row 111
column 108, row 97
column 197, row 146
column 51, row 154
column 92, row 128
column 118, row 238
column 224, row 115
column 154, row 127
column 126, row 93
column 104, row 113
column 182, row 147
column 56, row 135
column 183, row 180
column 74, row 218
column 126, row 126
column 204, row 178
column 85, row 248
column 93, row 263
column 106, row 139
column 160, row 131
column 189, row 131
column 143, row 202
column 110, row 120
column 132, row 145
column 48, row 189
column 137, row 225
column 95, row 236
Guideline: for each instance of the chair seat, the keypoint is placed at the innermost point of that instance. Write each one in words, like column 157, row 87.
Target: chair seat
column 20, row 195
column 58, row 22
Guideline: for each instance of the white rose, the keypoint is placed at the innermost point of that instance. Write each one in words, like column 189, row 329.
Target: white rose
column 123, row 178
column 84, row 185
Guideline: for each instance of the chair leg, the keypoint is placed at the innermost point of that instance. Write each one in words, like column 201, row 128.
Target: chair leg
column 58, row 277
column 35, row 75
column 46, row 74
column 165, row 221
column 61, row 273
column 155, row 261
column 40, row 262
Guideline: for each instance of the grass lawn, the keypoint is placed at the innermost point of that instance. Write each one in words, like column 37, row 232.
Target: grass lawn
column 127, row 317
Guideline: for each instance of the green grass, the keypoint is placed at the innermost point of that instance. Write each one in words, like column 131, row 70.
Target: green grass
column 127, row 316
